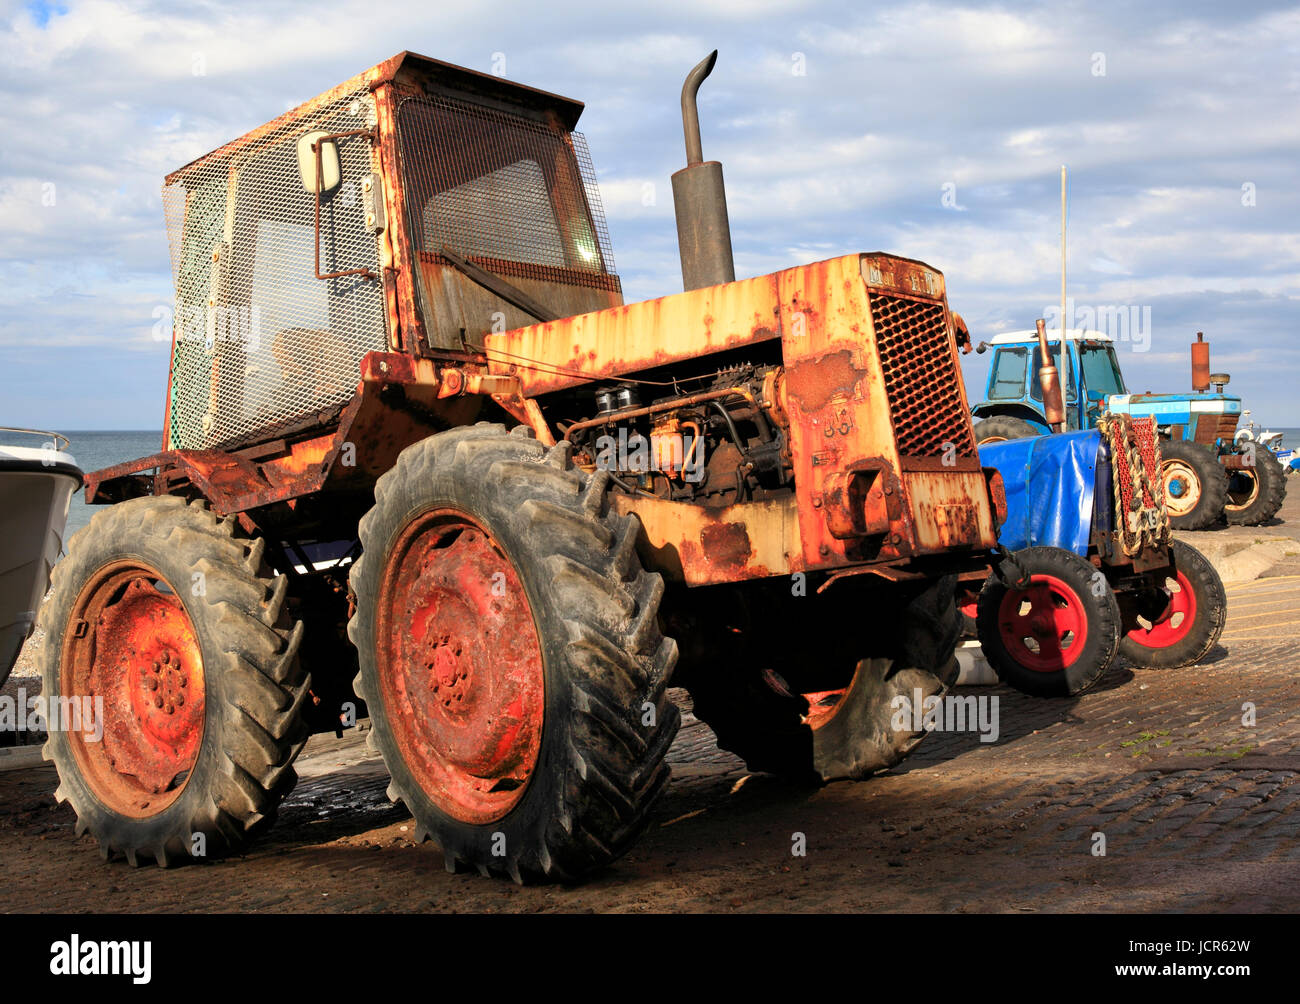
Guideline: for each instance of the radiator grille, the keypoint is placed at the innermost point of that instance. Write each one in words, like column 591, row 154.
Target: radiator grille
column 1212, row 427
column 921, row 381
column 260, row 342
column 501, row 189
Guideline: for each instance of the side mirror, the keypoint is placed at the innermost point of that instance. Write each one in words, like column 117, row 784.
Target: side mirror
column 328, row 164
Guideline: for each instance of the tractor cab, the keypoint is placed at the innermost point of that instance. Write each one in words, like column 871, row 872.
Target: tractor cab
column 1013, row 388
column 412, row 209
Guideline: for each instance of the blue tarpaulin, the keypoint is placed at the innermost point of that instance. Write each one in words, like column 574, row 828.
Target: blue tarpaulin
column 1049, row 484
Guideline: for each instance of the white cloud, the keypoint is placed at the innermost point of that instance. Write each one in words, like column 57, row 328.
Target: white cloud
column 898, row 101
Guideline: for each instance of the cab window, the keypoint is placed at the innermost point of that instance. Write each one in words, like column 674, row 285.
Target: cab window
column 1009, row 367
column 1100, row 369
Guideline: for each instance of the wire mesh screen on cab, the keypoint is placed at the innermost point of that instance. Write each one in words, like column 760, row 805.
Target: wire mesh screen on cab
column 261, row 344
column 516, row 195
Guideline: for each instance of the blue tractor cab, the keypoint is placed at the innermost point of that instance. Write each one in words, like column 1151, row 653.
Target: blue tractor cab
column 1207, row 474
column 1013, row 390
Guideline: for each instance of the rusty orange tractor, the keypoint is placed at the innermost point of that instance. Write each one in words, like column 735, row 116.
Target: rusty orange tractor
column 414, row 437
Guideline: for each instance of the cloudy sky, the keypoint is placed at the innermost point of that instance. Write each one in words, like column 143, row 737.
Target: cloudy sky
column 930, row 130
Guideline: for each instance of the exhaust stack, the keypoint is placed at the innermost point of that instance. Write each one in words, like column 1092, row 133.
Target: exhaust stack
column 1049, row 381
column 700, row 199
column 1200, row 363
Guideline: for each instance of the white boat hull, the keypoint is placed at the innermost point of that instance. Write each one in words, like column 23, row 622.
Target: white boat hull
column 36, row 489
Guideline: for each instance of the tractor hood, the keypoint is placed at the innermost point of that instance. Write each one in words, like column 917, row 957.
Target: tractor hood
column 1169, row 408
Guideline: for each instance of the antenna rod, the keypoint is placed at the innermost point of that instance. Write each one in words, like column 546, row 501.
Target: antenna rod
column 1065, row 356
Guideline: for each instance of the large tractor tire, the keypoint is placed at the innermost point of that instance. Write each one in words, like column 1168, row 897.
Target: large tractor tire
column 1056, row 637
column 1000, row 428
column 1196, row 485
column 1184, row 614
column 177, row 624
column 511, row 655
column 847, row 732
column 1255, row 493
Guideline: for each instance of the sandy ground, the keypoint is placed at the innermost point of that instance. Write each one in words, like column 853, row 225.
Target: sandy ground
column 1199, row 812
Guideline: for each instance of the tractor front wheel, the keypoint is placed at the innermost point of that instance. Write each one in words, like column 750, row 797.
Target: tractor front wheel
column 1196, row 485
column 511, row 656
column 1178, row 620
column 167, row 637
column 1056, row 637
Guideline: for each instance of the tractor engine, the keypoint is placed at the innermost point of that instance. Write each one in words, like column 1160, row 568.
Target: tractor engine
column 728, row 442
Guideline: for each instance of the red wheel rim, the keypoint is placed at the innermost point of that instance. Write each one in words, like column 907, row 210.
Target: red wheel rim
column 460, row 666
column 1044, row 627
column 1175, row 621
column 822, row 706
column 131, row 643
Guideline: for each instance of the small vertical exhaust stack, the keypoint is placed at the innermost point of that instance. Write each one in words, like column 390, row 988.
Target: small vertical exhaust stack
column 700, row 199
column 1050, row 382
column 1200, row 363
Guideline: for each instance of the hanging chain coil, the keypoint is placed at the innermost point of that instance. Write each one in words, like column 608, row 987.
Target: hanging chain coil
column 1141, row 519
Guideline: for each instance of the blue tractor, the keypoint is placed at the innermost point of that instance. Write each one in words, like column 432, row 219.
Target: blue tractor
column 1207, row 474
column 1091, row 569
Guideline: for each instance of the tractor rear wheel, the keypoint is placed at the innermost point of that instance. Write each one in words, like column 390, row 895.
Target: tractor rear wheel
column 173, row 625
column 1057, row 637
column 1000, row 428
column 1255, row 493
column 1196, row 485
column 511, row 655
column 1183, row 613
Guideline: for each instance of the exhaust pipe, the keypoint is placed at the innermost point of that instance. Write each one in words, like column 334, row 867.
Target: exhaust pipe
column 700, row 199
column 1200, row 363
column 1049, row 381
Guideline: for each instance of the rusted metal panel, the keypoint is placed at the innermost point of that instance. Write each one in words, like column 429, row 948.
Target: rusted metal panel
column 835, row 398
column 689, row 543
column 950, row 509
column 397, row 403
column 871, row 372
column 638, row 336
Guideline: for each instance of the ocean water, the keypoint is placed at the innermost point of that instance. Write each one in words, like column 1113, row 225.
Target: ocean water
column 1290, row 437
column 96, row 450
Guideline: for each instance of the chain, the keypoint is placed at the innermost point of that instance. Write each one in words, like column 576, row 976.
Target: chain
column 1141, row 518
